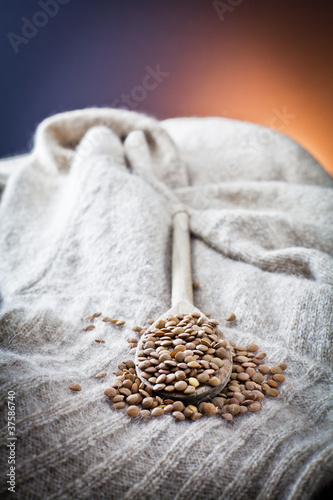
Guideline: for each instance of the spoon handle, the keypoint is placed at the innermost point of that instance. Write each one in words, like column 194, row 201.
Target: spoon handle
column 182, row 290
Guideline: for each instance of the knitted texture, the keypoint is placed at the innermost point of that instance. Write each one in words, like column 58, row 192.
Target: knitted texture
column 85, row 226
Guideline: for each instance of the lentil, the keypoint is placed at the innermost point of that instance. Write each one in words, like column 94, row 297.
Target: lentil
column 145, row 414
column 133, row 411
column 74, row 387
column 88, row 328
column 157, row 412
column 110, row 392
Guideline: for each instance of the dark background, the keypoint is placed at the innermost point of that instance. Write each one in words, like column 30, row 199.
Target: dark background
column 257, row 61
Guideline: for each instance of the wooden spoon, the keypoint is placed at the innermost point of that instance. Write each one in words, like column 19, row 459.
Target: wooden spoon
column 182, row 303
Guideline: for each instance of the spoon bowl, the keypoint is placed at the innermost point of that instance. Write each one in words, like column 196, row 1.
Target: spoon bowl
column 203, row 391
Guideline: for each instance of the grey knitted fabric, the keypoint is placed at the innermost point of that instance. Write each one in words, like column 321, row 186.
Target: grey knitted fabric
column 85, row 226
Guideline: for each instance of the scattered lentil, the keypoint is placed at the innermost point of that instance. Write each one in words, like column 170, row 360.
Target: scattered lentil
column 186, row 351
column 231, row 317
column 88, row 328
column 74, row 387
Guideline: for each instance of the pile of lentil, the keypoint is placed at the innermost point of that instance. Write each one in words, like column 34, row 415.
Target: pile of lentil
column 250, row 382
column 183, row 352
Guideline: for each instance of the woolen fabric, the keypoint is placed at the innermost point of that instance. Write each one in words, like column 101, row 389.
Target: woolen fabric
column 86, row 226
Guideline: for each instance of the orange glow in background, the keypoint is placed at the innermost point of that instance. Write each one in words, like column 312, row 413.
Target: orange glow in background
column 261, row 60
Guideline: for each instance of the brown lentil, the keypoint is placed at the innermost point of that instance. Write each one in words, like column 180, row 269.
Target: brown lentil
column 188, row 412
column 178, row 415
column 234, row 409
column 209, row 409
column 88, row 328
column 252, row 347
column 181, row 385
column 254, row 407
column 133, row 411
column 261, row 355
column 74, row 387
column 117, row 398
column 145, row 414
column 279, row 378
column 134, row 399
column 272, row 392
column 258, row 378
column 168, row 408
column 157, row 412
column 273, row 384
column 196, row 416
column 119, row 406
column 178, row 406
column 276, row 370
column 264, row 369
column 147, row 403
column 110, row 392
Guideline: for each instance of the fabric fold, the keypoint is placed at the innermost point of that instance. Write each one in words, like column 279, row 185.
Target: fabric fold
column 86, row 226
column 272, row 241
column 58, row 136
